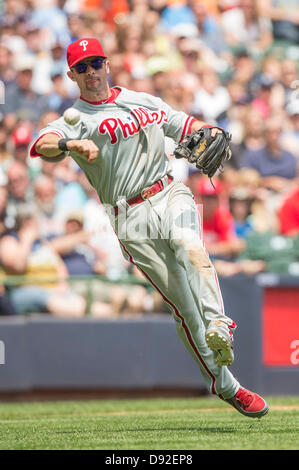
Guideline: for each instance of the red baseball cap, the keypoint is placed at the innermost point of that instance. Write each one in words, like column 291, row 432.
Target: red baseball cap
column 204, row 187
column 21, row 136
column 83, row 48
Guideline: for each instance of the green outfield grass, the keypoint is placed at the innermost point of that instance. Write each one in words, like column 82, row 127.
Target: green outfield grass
column 147, row 424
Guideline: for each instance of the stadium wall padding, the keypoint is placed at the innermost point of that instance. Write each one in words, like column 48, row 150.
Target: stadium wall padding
column 44, row 353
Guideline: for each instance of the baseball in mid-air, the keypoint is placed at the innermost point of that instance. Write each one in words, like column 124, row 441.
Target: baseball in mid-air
column 71, row 116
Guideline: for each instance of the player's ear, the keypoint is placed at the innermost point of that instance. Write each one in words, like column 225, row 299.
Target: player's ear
column 71, row 75
column 107, row 64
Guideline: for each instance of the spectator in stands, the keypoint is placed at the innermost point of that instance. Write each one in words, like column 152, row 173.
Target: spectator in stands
column 271, row 67
column 49, row 62
column 7, row 72
column 288, row 213
column 263, row 100
column 130, row 39
column 71, row 195
column 37, row 47
column 218, row 224
column 251, row 181
column 245, row 71
column 193, row 178
column 19, row 188
column 284, row 17
column 5, row 153
column 42, row 166
column 263, row 216
column 47, row 117
column 44, row 197
column 9, row 31
column 50, row 17
column 237, row 92
column 190, row 50
column 208, row 27
column 176, row 11
column 240, row 266
column 212, row 98
column 4, row 222
column 75, row 249
column 240, row 208
column 116, row 67
column 181, row 91
column 245, row 26
column 232, row 120
column 275, row 165
column 109, row 11
column 142, row 84
column 20, row 99
column 21, row 138
column 58, row 99
column 6, row 307
column 188, row 64
column 144, row 15
column 96, row 222
column 290, row 137
column 289, row 79
column 45, row 289
column 253, row 130
column 75, row 26
column 81, row 258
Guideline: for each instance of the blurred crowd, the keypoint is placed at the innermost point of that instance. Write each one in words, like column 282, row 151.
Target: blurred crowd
column 232, row 63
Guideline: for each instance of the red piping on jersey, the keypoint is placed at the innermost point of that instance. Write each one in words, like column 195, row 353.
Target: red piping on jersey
column 33, row 152
column 190, row 125
column 187, row 127
column 114, row 94
column 188, row 334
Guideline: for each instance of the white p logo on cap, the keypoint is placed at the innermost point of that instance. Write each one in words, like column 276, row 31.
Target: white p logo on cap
column 83, row 44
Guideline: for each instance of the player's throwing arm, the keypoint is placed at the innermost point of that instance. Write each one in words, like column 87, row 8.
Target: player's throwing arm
column 52, row 146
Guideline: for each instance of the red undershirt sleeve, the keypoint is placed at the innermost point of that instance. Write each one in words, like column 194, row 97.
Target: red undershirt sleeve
column 33, row 153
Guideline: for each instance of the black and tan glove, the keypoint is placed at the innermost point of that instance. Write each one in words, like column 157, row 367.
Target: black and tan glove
column 207, row 152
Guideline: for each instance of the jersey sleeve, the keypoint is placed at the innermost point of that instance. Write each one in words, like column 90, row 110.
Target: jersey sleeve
column 178, row 123
column 60, row 128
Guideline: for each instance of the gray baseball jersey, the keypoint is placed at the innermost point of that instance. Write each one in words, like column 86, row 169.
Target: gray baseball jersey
column 140, row 123
column 130, row 129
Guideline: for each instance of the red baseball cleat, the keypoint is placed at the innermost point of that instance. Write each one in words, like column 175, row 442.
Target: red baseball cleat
column 248, row 403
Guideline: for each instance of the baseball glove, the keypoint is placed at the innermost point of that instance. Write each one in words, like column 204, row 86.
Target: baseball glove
column 207, row 152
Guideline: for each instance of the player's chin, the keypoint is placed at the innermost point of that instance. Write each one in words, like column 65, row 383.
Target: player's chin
column 93, row 84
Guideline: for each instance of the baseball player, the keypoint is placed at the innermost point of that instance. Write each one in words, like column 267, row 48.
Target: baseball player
column 119, row 144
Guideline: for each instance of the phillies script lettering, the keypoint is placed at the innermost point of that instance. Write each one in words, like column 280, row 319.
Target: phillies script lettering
column 140, row 118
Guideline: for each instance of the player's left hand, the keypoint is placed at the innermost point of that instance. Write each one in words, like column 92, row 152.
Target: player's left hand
column 208, row 148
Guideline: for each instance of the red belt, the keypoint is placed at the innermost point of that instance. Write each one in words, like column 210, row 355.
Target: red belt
column 145, row 194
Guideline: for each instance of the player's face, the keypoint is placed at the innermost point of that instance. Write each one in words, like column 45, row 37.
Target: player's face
column 90, row 74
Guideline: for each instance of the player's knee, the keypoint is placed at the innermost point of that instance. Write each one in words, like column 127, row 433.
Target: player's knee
column 197, row 255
